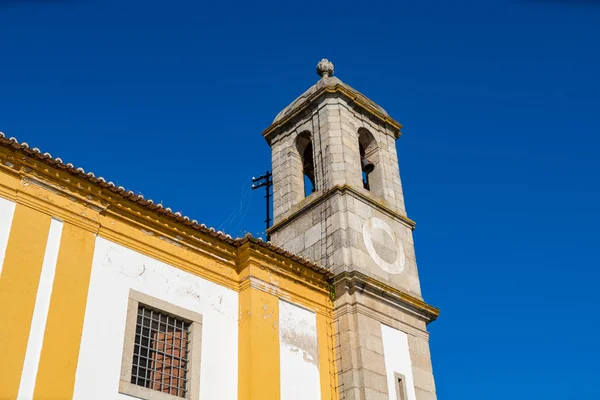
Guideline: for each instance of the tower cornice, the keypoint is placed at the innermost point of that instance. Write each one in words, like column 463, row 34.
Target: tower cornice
column 344, row 92
column 312, row 202
column 355, row 281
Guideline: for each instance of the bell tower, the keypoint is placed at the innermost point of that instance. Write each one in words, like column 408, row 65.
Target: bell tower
column 338, row 201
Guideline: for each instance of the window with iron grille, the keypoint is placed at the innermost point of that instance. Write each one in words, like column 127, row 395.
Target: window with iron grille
column 161, row 353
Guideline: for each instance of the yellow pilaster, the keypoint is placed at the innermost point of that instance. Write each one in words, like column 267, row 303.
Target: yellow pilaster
column 258, row 364
column 18, row 289
column 327, row 370
column 62, row 339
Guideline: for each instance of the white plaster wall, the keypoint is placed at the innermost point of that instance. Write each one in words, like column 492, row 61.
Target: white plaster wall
column 40, row 312
column 397, row 359
column 299, row 356
column 115, row 270
column 7, row 210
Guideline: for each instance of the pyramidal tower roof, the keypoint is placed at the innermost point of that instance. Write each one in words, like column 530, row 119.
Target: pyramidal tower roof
column 325, row 71
column 330, row 84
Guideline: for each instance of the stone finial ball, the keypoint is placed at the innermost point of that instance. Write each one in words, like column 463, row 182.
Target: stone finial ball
column 325, row 68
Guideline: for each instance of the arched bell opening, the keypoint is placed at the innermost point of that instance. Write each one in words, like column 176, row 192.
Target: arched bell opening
column 369, row 160
column 305, row 150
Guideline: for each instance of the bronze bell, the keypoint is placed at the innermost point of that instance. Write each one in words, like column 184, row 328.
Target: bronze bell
column 367, row 166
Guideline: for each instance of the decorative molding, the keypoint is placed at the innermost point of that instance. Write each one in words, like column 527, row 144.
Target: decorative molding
column 253, row 255
column 306, row 206
column 174, row 259
column 350, row 282
column 52, row 187
column 173, row 233
column 252, row 282
column 8, row 190
column 339, row 90
column 358, row 308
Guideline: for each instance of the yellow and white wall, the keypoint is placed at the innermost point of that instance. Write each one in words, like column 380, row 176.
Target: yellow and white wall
column 43, row 287
column 69, row 254
column 116, row 270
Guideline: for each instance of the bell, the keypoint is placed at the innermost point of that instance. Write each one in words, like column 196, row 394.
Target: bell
column 367, row 166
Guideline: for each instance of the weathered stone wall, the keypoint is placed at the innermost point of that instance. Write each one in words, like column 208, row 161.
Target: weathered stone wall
column 334, row 126
column 359, row 317
column 352, row 230
column 333, row 230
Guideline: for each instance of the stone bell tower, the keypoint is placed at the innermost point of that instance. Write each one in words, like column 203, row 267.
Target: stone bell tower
column 338, row 200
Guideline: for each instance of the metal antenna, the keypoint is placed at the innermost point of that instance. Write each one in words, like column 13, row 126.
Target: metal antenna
column 265, row 181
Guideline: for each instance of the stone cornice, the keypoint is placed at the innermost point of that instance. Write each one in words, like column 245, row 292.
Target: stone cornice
column 276, row 275
column 298, row 298
column 92, row 201
column 356, row 281
column 310, row 203
column 358, row 308
column 250, row 253
column 86, row 197
column 336, row 89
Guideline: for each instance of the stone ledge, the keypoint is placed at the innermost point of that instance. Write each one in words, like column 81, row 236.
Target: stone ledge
column 357, row 308
column 337, row 89
column 350, row 282
column 309, row 203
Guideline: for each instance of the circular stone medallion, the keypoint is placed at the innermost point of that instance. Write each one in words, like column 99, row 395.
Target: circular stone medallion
column 383, row 246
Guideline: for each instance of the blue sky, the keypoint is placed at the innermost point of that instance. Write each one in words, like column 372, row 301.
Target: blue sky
column 499, row 157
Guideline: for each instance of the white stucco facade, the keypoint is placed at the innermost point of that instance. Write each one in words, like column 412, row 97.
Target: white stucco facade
column 116, row 270
column 397, row 360
column 7, row 210
column 298, row 349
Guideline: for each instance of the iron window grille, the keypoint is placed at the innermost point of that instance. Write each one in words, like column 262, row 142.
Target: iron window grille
column 161, row 350
column 160, row 355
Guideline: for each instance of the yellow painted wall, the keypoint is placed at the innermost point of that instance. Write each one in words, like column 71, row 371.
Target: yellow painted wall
column 259, row 275
column 258, row 372
column 18, row 289
column 62, row 338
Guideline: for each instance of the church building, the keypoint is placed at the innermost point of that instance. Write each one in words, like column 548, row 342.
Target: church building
column 107, row 295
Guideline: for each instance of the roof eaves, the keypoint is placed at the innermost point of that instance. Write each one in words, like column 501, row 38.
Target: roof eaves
column 313, row 97
column 278, row 250
column 149, row 204
column 47, row 158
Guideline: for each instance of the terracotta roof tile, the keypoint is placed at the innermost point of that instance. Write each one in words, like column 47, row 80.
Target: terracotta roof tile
column 149, row 204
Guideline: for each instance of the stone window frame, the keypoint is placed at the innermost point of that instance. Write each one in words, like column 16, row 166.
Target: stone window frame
column 194, row 352
column 400, row 382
